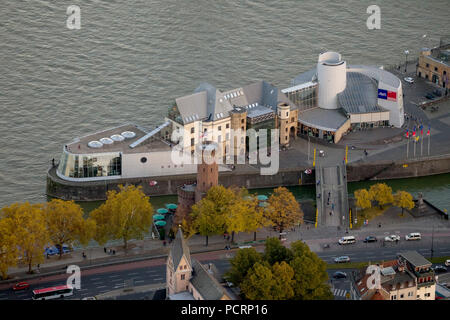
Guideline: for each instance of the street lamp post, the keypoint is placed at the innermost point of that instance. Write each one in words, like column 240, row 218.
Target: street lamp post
column 406, row 58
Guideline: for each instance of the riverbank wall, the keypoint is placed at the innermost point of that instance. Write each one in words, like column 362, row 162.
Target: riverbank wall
column 167, row 185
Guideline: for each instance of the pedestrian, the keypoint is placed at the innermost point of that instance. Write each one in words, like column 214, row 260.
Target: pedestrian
column 379, row 225
column 330, row 213
column 114, row 252
column 104, row 249
column 164, row 243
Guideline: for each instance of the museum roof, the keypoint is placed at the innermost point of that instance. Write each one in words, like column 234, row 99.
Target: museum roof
column 323, row 119
column 80, row 145
column 360, row 94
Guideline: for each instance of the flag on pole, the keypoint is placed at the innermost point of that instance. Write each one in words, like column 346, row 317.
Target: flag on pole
column 414, row 132
column 421, row 130
column 407, row 134
column 428, row 132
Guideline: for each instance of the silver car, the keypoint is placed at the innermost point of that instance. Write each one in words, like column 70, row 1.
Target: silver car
column 342, row 259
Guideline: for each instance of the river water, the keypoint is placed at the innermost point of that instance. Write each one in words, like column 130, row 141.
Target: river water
column 131, row 59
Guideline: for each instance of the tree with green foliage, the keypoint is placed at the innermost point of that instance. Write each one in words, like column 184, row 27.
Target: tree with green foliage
column 209, row 215
column 275, row 251
column 242, row 262
column 310, row 274
column 269, row 283
column 404, row 200
column 125, row 215
column 381, row 193
column 280, row 273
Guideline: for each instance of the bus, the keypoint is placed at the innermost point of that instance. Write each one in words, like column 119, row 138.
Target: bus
column 52, row 293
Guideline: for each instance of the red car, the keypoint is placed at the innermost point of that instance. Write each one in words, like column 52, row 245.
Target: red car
column 21, row 286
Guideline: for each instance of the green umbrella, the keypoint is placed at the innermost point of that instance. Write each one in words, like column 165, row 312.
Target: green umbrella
column 160, row 223
column 158, row 217
column 171, row 206
column 162, row 210
column 262, row 197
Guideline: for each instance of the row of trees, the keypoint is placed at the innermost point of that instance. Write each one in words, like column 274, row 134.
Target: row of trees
column 26, row 229
column 233, row 210
column 280, row 273
column 382, row 194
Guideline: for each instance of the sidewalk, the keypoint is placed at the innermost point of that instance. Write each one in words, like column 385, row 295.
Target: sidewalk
column 152, row 249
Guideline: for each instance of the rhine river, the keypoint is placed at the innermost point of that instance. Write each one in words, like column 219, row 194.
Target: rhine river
column 131, row 59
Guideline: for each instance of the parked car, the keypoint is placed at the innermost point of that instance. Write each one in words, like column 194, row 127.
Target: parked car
column 65, row 249
column 413, row 236
column 447, row 263
column 342, row 259
column 409, row 80
column 392, row 238
column 50, row 251
column 430, row 96
column 439, row 269
column 370, row 239
column 339, row 275
column 21, row 286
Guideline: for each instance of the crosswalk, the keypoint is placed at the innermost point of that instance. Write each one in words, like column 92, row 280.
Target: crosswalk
column 339, row 292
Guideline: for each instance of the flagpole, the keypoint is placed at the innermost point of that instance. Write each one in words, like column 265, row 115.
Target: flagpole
column 429, row 138
column 407, row 149
column 421, row 145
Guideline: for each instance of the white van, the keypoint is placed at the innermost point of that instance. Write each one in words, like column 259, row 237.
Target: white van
column 413, row 236
column 347, row 240
column 447, row 263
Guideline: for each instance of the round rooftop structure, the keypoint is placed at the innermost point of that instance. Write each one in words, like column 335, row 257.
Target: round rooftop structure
column 332, row 77
column 95, row 144
column 117, row 137
column 106, row 141
column 128, row 134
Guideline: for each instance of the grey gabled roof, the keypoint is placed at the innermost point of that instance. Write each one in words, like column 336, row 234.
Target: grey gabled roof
column 179, row 248
column 205, row 283
column 206, row 104
column 265, row 94
column 415, row 258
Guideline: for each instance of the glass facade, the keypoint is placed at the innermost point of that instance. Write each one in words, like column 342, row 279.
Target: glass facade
column 90, row 166
column 305, row 98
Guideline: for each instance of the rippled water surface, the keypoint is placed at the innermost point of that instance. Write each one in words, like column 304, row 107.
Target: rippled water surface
column 131, row 59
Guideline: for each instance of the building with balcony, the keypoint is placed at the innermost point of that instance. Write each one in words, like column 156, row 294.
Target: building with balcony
column 410, row 277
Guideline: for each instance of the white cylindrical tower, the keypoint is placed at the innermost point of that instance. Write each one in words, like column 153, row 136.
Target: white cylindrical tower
column 332, row 77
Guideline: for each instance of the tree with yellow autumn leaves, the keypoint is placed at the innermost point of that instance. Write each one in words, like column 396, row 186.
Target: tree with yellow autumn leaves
column 230, row 210
column 404, row 200
column 65, row 223
column 27, row 223
column 283, row 211
column 125, row 215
